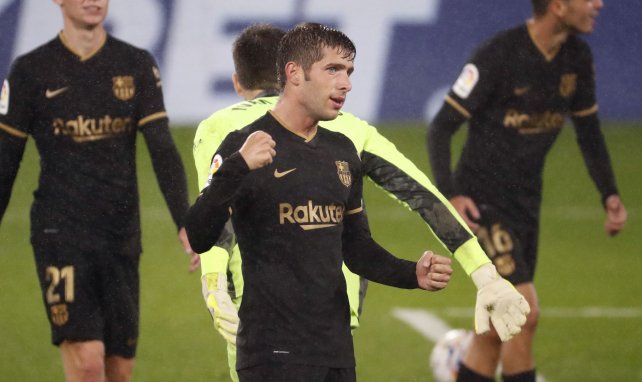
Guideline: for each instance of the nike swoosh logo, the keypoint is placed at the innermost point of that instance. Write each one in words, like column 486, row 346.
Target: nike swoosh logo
column 278, row 174
column 53, row 93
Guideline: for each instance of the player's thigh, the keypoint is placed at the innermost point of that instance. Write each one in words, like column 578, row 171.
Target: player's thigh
column 120, row 287
column 70, row 290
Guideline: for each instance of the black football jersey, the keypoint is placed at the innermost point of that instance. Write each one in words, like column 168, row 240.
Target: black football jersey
column 517, row 99
column 83, row 114
column 288, row 219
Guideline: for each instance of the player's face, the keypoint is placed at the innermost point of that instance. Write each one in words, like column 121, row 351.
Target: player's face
column 580, row 14
column 84, row 14
column 326, row 85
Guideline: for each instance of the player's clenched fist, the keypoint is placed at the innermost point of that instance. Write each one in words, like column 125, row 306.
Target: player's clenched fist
column 258, row 150
column 433, row 271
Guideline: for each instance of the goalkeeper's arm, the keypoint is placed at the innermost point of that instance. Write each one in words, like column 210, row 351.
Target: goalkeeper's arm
column 497, row 299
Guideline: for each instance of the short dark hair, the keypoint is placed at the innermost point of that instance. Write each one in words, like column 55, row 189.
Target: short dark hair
column 254, row 53
column 304, row 45
column 540, row 6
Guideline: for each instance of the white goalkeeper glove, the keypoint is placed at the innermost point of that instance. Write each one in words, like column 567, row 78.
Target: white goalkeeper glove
column 499, row 302
column 220, row 305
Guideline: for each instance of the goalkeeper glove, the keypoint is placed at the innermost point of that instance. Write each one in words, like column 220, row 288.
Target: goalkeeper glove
column 499, row 302
column 220, row 305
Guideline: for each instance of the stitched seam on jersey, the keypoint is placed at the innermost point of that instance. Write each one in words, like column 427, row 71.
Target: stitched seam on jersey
column 152, row 117
column 457, row 106
column 12, row 131
column 585, row 112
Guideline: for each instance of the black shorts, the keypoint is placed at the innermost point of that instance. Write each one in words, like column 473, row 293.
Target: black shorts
column 291, row 372
column 511, row 246
column 89, row 295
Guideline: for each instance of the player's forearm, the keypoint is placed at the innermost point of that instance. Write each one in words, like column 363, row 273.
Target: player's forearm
column 420, row 195
column 169, row 170
column 595, row 153
column 366, row 258
column 438, row 139
column 206, row 219
column 11, row 151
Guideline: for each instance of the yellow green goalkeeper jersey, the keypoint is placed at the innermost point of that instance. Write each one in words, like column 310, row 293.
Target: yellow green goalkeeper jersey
column 381, row 162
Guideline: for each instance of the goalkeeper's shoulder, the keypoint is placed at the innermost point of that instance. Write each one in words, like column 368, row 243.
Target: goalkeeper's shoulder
column 235, row 117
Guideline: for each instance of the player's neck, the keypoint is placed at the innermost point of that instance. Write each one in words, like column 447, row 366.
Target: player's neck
column 547, row 34
column 294, row 117
column 83, row 41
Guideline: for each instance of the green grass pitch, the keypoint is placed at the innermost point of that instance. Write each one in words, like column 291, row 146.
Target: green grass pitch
column 579, row 268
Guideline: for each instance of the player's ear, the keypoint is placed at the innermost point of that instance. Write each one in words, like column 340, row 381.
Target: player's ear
column 294, row 73
column 558, row 7
column 237, row 85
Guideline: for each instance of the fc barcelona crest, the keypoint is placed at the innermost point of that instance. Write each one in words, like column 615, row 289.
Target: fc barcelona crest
column 59, row 314
column 343, row 170
column 123, row 87
column 568, row 83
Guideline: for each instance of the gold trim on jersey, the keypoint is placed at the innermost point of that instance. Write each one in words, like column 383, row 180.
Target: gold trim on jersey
column 74, row 51
column 451, row 101
column 586, row 112
column 549, row 56
column 354, row 211
column 316, row 226
column 13, row 131
column 307, row 139
column 152, row 117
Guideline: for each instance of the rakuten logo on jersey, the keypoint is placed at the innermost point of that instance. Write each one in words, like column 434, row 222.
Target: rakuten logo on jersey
column 311, row 216
column 84, row 129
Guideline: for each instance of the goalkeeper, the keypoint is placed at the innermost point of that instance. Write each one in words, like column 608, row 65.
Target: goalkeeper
column 255, row 80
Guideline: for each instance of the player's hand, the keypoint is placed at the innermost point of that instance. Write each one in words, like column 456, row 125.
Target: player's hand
column 195, row 259
column 616, row 215
column 258, row 150
column 220, row 305
column 498, row 302
column 433, row 271
column 467, row 209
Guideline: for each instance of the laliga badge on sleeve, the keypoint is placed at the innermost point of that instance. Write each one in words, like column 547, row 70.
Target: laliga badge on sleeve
column 466, row 81
column 4, row 98
column 217, row 161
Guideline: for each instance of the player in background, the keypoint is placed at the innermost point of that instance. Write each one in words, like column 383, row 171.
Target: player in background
column 255, row 80
column 297, row 214
column 516, row 92
column 83, row 97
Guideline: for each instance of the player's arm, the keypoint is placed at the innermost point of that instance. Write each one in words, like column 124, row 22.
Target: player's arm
column 363, row 256
column 15, row 111
column 438, row 143
column 366, row 258
column 596, row 156
column 598, row 162
column 12, row 146
column 592, row 144
column 168, row 168
column 398, row 176
column 207, row 217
